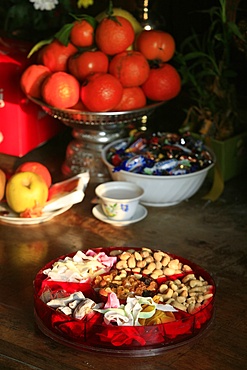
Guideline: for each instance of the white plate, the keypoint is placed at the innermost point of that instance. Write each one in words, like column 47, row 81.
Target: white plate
column 140, row 214
column 12, row 218
column 64, row 193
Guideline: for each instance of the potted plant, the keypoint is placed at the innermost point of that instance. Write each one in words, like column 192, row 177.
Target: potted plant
column 206, row 65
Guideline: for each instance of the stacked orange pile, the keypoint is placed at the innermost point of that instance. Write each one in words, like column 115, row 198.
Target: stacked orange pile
column 106, row 67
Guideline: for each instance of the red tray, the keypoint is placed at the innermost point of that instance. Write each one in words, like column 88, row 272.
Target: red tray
column 94, row 335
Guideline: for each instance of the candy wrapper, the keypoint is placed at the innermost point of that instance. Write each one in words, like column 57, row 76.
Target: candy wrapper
column 137, row 311
column 81, row 267
column 160, row 154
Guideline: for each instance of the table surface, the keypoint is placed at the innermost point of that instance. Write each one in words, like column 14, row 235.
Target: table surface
column 212, row 235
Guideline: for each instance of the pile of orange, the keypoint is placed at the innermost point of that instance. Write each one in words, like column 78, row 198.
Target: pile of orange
column 104, row 68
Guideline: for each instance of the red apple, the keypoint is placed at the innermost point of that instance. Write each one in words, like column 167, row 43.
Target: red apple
column 26, row 191
column 37, row 168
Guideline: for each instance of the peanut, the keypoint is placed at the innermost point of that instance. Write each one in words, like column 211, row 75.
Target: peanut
column 137, row 256
column 184, row 297
column 173, row 286
column 186, row 294
column 131, row 251
column 198, row 289
column 182, row 288
column 117, row 278
column 141, row 264
column 167, row 294
column 123, row 273
column 157, row 256
column 131, row 262
column 163, row 288
column 121, row 265
column 151, row 266
column 115, row 252
column 179, row 306
column 156, row 273
column 158, row 265
column 168, row 271
column 173, row 264
column 147, row 249
column 125, row 255
column 170, row 301
column 149, row 259
column 188, row 278
column 145, row 254
column 194, row 283
column 191, row 307
column 165, row 260
column 146, row 272
column 181, row 299
column 175, row 295
column 186, row 268
column 136, row 270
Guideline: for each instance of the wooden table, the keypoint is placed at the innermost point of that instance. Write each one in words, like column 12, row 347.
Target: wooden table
column 211, row 235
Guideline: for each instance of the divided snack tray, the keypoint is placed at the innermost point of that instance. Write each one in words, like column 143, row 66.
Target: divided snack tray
column 92, row 334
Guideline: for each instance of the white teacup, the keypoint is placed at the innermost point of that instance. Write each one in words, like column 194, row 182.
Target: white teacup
column 119, row 199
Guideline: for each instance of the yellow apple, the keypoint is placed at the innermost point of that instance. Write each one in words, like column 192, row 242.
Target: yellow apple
column 38, row 168
column 26, row 190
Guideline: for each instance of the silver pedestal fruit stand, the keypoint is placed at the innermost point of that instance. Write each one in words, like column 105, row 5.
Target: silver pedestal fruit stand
column 91, row 132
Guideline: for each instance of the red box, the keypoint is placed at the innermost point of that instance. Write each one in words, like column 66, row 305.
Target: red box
column 23, row 124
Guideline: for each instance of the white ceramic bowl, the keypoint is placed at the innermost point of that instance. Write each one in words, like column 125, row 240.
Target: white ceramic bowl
column 160, row 191
column 119, row 199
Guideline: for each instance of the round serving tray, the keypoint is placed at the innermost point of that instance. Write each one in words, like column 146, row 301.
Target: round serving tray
column 91, row 132
column 137, row 341
column 75, row 118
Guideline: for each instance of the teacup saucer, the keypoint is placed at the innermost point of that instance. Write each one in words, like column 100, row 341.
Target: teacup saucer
column 139, row 215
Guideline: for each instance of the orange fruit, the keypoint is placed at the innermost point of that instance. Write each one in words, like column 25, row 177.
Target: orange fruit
column 81, row 65
column 130, row 67
column 82, row 34
column 2, row 183
column 163, row 83
column 155, row 45
column 114, row 35
column 79, row 106
column 132, row 98
column 55, row 55
column 32, row 79
column 61, row 90
column 101, row 92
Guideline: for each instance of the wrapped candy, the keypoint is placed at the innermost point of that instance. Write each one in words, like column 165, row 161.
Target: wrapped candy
column 136, row 311
column 168, row 166
column 160, row 154
column 81, row 267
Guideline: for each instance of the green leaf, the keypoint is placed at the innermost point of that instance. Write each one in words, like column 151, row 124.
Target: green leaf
column 38, row 46
column 235, row 30
column 91, row 20
column 64, row 33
